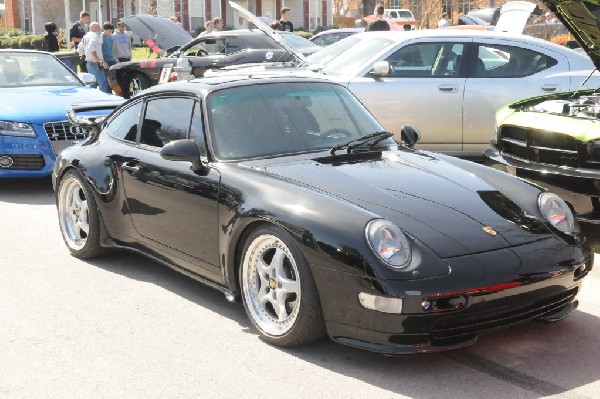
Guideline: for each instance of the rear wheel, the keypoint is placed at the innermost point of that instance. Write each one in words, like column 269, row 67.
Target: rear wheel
column 138, row 82
column 278, row 290
column 78, row 217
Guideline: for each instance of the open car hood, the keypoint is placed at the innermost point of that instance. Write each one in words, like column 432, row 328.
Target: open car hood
column 263, row 27
column 514, row 16
column 159, row 33
column 582, row 18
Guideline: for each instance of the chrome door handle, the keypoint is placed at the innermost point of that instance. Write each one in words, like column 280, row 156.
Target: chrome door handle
column 131, row 166
column 550, row 87
column 448, row 88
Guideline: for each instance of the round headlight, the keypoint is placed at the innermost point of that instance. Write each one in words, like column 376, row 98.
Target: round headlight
column 557, row 212
column 388, row 242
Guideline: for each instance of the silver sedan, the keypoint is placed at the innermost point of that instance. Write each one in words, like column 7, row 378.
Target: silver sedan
column 447, row 83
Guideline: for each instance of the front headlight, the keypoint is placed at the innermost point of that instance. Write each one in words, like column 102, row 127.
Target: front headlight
column 388, row 242
column 16, row 129
column 557, row 212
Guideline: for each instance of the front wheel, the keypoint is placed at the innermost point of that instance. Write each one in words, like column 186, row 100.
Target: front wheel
column 278, row 290
column 78, row 217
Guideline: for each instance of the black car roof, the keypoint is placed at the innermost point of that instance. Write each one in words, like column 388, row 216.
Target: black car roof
column 203, row 86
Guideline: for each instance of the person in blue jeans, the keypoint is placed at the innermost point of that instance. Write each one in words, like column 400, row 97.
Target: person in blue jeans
column 109, row 48
column 94, row 59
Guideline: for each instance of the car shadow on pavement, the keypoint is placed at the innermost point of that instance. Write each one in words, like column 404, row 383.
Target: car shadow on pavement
column 528, row 360
column 140, row 268
column 27, row 191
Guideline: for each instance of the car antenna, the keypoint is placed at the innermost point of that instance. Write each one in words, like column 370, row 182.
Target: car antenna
column 584, row 82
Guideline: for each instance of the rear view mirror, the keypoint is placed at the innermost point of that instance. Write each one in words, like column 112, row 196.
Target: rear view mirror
column 410, row 135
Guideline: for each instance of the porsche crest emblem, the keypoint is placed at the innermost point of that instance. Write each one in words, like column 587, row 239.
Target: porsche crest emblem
column 490, row 231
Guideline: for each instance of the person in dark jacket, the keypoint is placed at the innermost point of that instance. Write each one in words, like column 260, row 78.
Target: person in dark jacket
column 51, row 39
column 78, row 31
column 379, row 23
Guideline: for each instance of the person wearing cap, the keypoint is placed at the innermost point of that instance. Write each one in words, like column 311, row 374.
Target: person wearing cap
column 122, row 43
column 94, row 60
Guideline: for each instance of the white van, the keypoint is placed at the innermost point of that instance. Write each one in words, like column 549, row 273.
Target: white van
column 400, row 16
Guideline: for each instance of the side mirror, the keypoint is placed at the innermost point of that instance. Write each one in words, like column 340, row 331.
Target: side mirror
column 87, row 78
column 410, row 135
column 181, row 150
column 380, row 68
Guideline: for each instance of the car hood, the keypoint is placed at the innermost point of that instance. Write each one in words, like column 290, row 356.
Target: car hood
column 582, row 18
column 32, row 105
column 159, row 33
column 267, row 30
column 440, row 204
column 514, row 16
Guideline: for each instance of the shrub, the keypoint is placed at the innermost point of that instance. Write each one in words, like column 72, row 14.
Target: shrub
column 304, row 34
column 24, row 42
column 13, row 42
column 37, row 42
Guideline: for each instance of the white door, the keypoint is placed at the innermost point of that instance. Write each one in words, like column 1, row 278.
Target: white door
column 424, row 88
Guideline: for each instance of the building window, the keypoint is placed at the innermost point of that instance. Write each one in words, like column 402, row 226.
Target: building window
column 464, row 6
column 396, row 4
column 447, row 7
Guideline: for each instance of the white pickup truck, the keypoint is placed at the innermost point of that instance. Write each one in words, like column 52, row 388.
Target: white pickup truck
column 400, row 16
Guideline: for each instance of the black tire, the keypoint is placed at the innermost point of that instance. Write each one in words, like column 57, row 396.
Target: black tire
column 136, row 83
column 288, row 317
column 77, row 212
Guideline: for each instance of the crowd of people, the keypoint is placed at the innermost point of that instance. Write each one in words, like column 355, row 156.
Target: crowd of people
column 99, row 47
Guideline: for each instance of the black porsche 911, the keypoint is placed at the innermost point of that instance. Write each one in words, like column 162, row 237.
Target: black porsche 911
column 209, row 51
column 286, row 193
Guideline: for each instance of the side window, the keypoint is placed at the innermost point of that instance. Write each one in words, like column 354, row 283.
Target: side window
column 427, row 60
column 215, row 47
column 498, row 61
column 124, row 125
column 234, row 45
column 197, row 130
column 165, row 120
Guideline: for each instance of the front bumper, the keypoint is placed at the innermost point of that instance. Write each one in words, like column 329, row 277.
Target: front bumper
column 579, row 187
column 28, row 156
column 500, row 288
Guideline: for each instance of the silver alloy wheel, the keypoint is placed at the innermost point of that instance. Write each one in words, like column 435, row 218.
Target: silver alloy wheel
column 271, row 285
column 73, row 213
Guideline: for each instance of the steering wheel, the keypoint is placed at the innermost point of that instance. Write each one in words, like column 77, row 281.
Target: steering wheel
column 336, row 132
column 33, row 77
column 201, row 52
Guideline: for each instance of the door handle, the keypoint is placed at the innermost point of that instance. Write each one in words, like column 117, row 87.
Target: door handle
column 448, row 88
column 550, row 87
column 131, row 166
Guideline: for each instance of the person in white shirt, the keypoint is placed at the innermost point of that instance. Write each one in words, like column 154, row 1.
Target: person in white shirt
column 92, row 42
column 443, row 22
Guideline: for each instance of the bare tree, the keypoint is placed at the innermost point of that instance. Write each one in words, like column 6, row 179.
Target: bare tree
column 51, row 10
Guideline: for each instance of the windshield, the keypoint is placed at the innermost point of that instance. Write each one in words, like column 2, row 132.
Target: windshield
column 19, row 69
column 361, row 49
column 296, row 41
column 284, row 118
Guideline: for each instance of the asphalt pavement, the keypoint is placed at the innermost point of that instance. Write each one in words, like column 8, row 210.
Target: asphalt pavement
column 126, row 327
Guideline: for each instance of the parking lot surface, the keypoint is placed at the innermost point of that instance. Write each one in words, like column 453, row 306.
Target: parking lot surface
column 125, row 327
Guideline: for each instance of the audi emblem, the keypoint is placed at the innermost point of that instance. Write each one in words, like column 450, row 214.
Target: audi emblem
column 77, row 130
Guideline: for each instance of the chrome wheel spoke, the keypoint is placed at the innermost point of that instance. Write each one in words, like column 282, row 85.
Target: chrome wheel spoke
column 271, row 286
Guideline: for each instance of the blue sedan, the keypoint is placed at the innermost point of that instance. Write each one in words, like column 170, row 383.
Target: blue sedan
column 35, row 89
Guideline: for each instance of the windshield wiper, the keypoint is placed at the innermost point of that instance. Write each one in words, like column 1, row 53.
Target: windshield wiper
column 369, row 139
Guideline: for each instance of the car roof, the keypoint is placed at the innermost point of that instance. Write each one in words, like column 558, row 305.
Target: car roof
column 202, row 86
column 401, row 36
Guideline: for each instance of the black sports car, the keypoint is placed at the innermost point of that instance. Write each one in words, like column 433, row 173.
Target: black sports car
column 288, row 194
column 209, row 51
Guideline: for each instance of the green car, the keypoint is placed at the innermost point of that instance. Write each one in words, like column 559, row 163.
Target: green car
column 554, row 141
